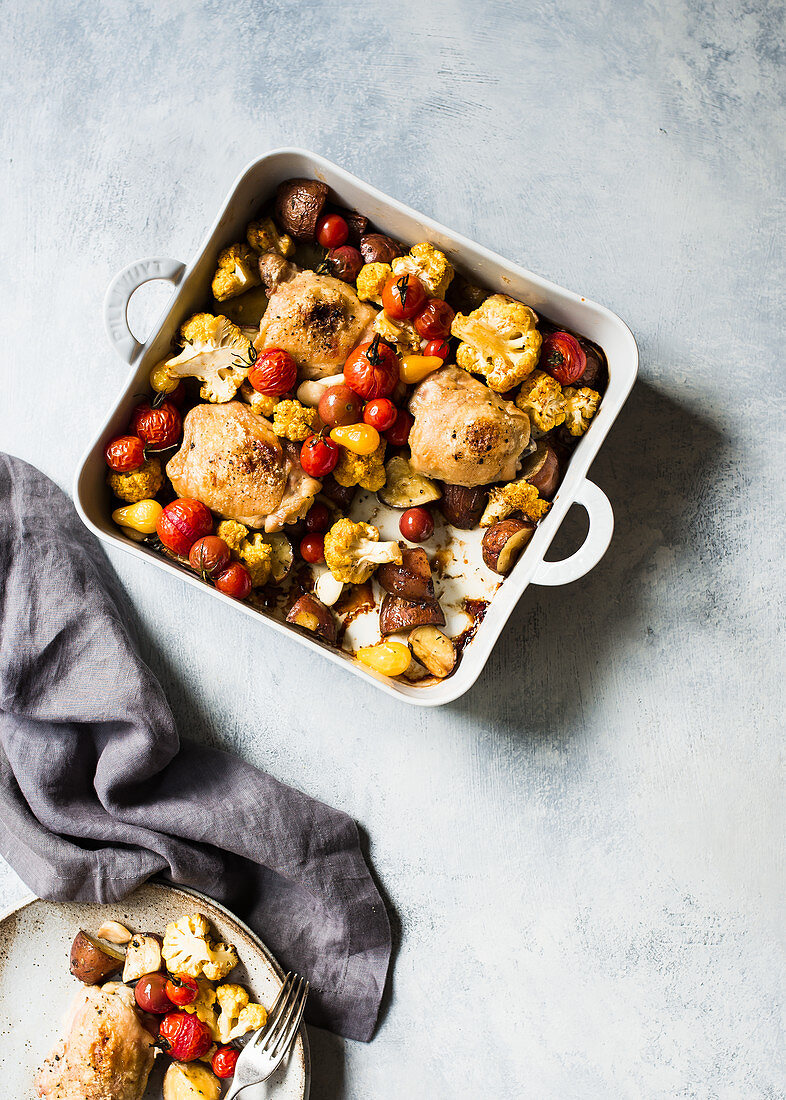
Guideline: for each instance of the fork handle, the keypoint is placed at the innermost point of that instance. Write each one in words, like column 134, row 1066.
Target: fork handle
column 235, row 1089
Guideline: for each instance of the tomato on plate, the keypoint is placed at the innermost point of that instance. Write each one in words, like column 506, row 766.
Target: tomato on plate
column 562, row 356
column 318, row 455
column 183, row 522
column 399, row 433
column 235, row 581
column 380, row 413
column 158, row 428
column 332, row 231
column 440, row 348
column 372, row 369
column 274, row 372
column 403, row 297
column 434, row 320
column 124, row 454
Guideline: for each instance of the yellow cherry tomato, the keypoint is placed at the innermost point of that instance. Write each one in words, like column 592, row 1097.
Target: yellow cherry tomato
column 414, row 368
column 389, row 658
column 360, row 438
column 162, row 381
column 140, row 517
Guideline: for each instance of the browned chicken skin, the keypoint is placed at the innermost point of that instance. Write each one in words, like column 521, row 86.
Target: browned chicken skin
column 107, row 1053
column 464, row 433
column 318, row 320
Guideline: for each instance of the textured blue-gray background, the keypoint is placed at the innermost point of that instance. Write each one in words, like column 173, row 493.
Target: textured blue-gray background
column 585, row 854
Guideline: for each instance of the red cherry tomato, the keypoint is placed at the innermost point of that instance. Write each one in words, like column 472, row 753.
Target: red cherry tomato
column 225, row 1060
column 124, row 454
column 235, row 581
column 183, row 522
column 332, row 230
column 434, row 320
column 339, row 405
column 437, row 347
column 182, row 990
column 416, row 524
column 562, row 356
column 209, row 555
column 399, row 433
column 344, row 263
column 157, row 428
column 318, row 455
column 372, row 369
column 317, row 518
column 403, row 297
column 184, row 1036
column 312, row 549
column 274, row 372
column 151, row 995
column 380, row 413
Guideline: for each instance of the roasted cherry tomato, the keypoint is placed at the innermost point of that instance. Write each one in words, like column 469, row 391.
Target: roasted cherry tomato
column 339, row 405
column 403, row 297
column 225, row 1058
column 416, row 524
column 317, row 518
column 151, row 995
column 235, row 581
column 210, row 556
column 434, row 320
column 399, row 433
column 124, row 454
column 157, row 428
column 312, row 549
column 380, row 413
column 372, row 369
column 183, row 522
column 562, row 356
column 182, row 990
column 274, row 372
column 344, row 263
column 440, row 348
column 184, row 1036
column 332, row 230
column 318, row 455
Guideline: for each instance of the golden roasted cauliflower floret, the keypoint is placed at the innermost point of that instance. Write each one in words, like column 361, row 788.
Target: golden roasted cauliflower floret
column 516, row 496
column 500, row 341
column 293, row 420
column 204, row 1006
column 238, row 270
column 139, row 484
column 367, row 471
column 189, row 949
column 580, row 407
column 232, row 533
column 238, row 1015
column 260, row 403
column 263, row 236
column 398, row 333
column 257, row 556
column 353, row 551
column 216, row 352
column 371, row 281
column 541, row 397
column 430, row 265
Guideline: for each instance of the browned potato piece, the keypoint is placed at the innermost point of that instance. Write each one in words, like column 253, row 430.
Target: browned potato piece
column 463, row 505
column 311, row 614
column 593, row 368
column 357, row 224
column 299, row 203
column 92, row 962
column 274, row 269
column 433, row 649
column 541, row 469
column 404, row 487
column 412, row 579
column 399, row 614
column 376, row 248
column 504, row 541
column 143, row 956
column 340, row 495
column 282, row 557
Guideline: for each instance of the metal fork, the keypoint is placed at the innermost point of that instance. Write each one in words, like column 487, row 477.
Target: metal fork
column 267, row 1048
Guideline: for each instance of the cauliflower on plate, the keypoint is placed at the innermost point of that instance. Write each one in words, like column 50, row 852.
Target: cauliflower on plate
column 293, row 420
column 353, row 551
column 260, row 403
column 430, row 265
column 237, row 1014
column 541, row 397
column 399, row 333
column 139, row 484
column 580, row 406
column 263, row 236
column 216, row 352
column 204, row 1006
column 516, row 496
column 238, row 270
column 367, row 471
column 371, row 281
column 500, row 341
column 189, row 949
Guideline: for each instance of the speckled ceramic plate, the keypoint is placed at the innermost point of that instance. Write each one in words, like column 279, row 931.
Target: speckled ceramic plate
column 36, row 987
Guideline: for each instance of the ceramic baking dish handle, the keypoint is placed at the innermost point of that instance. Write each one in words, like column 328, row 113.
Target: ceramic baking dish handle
column 595, row 545
column 124, row 284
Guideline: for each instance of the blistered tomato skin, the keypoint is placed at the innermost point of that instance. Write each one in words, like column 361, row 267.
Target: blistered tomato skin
column 344, row 263
column 124, row 454
column 403, row 297
column 184, row 1036
column 380, row 414
column 399, row 433
column 235, row 581
column 274, row 373
column 332, row 231
column 562, row 356
column 210, row 556
column 157, row 428
column 434, row 320
column 183, row 522
column 151, row 996
column 224, row 1062
column 372, row 369
column 319, row 455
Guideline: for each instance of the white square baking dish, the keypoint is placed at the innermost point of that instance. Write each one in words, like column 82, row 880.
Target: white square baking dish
column 254, row 186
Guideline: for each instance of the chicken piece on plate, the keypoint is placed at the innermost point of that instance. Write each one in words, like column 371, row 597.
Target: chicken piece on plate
column 107, row 1053
column 232, row 461
column 464, row 433
column 318, row 320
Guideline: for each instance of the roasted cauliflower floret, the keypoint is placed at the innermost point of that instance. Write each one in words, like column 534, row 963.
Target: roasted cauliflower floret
column 353, row 551
column 216, row 352
column 257, row 556
column 516, row 496
column 139, row 484
column 580, row 407
column 293, row 420
column 367, row 471
column 542, row 399
column 500, row 341
column 232, row 533
column 398, row 333
column 260, row 402
column 430, row 265
column 238, row 270
column 237, row 1015
column 204, row 1006
column 263, row 236
column 371, row 281
column 189, row 949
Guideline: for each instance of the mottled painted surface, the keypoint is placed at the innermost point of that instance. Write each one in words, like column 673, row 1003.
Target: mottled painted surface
column 586, row 853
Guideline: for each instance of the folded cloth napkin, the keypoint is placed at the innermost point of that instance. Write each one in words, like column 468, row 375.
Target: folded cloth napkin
column 98, row 793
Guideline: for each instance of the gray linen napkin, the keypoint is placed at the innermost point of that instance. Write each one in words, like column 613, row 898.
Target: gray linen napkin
column 97, row 793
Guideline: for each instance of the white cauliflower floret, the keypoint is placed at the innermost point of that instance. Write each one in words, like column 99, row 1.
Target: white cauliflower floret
column 238, row 269
column 353, row 551
column 430, row 265
column 580, row 406
column 189, row 949
column 237, row 1015
column 500, row 341
column 216, row 352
